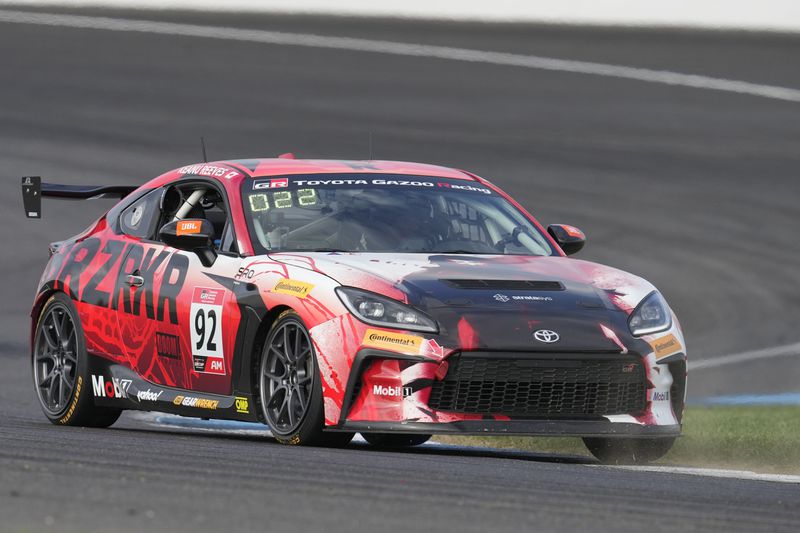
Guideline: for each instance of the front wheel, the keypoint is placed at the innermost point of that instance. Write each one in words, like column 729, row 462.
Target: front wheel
column 628, row 451
column 290, row 391
column 61, row 368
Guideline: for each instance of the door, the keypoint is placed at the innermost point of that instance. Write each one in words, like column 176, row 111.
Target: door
column 179, row 318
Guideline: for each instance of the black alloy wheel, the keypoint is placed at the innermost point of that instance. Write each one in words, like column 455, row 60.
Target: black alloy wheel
column 55, row 368
column 61, row 373
column 287, row 377
column 290, row 388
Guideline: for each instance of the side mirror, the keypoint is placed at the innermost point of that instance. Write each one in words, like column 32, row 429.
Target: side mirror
column 569, row 238
column 191, row 235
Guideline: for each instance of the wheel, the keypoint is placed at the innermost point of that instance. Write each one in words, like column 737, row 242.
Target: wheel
column 61, row 368
column 626, row 451
column 395, row 440
column 290, row 388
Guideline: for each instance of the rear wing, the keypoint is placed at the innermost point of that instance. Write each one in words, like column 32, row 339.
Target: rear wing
column 33, row 190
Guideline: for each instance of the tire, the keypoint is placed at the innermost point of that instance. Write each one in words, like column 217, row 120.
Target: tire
column 290, row 388
column 61, row 368
column 629, row 451
column 395, row 440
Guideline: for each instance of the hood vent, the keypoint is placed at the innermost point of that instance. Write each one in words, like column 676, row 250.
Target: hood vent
column 504, row 285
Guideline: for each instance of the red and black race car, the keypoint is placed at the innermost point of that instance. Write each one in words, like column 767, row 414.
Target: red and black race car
column 325, row 298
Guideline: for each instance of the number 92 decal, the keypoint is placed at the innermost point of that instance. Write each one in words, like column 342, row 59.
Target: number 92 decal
column 206, row 330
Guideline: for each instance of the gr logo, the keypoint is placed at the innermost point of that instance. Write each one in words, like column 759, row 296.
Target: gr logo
column 112, row 388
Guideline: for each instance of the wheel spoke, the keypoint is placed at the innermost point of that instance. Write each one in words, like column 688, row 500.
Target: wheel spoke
column 302, row 356
column 289, row 409
column 70, row 356
column 68, row 330
column 278, row 352
column 48, row 377
column 282, row 409
column 51, row 391
column 301, row 397
column 63, row 390
column 275, row 378
column 44, row 356
column 297, row 335
column 57, row 323
column 52, row 343
column 286, row 347
column 275, row 396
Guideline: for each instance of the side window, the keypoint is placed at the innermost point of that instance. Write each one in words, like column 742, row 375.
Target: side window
column 141, row 217
column 199, row 200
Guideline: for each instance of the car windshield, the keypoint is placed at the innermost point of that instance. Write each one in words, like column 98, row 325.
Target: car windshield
column 382, row 213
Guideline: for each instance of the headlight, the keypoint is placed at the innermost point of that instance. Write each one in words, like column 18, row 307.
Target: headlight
column 650, row 316
column 381, row 311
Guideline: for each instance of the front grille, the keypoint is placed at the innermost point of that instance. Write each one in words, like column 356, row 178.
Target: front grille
column 537, row 386
column 504, row 285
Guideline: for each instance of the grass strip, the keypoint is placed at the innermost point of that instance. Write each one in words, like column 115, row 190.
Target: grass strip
column 758, row 438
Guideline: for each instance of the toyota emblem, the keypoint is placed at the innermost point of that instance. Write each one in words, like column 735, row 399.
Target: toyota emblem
column 546, row 336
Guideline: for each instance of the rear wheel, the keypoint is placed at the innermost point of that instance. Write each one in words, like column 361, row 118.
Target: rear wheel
column 628, row 451
column 290, row 389
column 61, row 368
column 395, row 440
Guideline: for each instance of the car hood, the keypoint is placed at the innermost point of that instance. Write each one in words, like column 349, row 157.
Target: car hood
column 498, row 302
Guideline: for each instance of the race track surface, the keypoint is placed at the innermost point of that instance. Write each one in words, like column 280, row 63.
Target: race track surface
column 694, row 190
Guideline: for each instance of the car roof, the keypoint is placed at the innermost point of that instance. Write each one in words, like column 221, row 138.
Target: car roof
column 287, row 166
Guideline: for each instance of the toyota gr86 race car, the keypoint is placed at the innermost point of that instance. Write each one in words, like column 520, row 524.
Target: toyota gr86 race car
column 324, row 298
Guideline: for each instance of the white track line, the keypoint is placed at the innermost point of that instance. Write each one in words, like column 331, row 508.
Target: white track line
column 405, row 49
column 745, row 357
column 712, row 472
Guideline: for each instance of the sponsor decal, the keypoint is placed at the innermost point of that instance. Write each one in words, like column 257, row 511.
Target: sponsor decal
column 546, row 336
column 209, row 170
column 376, row 338
column 277, row 183
column 522, row 298
column 188, row 227
column 148, row 395
column 71, row 411
column 168, row 346
column 111, row 388
column 392, row 392
column 572, row 231
column 245, row 273
column 199, row 403
column 113, row 261
column 665, row 346
column 628, row 368
column 205, row 327
column 242, row 405
column 471, row 188
column 301, row 289
column 660, row 396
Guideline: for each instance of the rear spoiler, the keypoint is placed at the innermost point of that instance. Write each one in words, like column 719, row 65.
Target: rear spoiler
column 33, row 190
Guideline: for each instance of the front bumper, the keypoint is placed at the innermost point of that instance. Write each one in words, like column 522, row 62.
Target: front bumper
column 561, row 428
column 390, row 392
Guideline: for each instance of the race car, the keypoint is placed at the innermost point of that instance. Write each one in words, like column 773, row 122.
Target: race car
column 327, row 298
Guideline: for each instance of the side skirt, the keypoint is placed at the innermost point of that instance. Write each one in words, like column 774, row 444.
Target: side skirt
column 114, row 385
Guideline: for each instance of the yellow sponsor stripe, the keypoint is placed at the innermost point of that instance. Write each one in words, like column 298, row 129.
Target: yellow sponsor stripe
column 665, row 346
column 398, row 342
column 301, row 289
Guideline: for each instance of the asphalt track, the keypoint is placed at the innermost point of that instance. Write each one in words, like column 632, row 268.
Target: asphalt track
column 695, row 190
